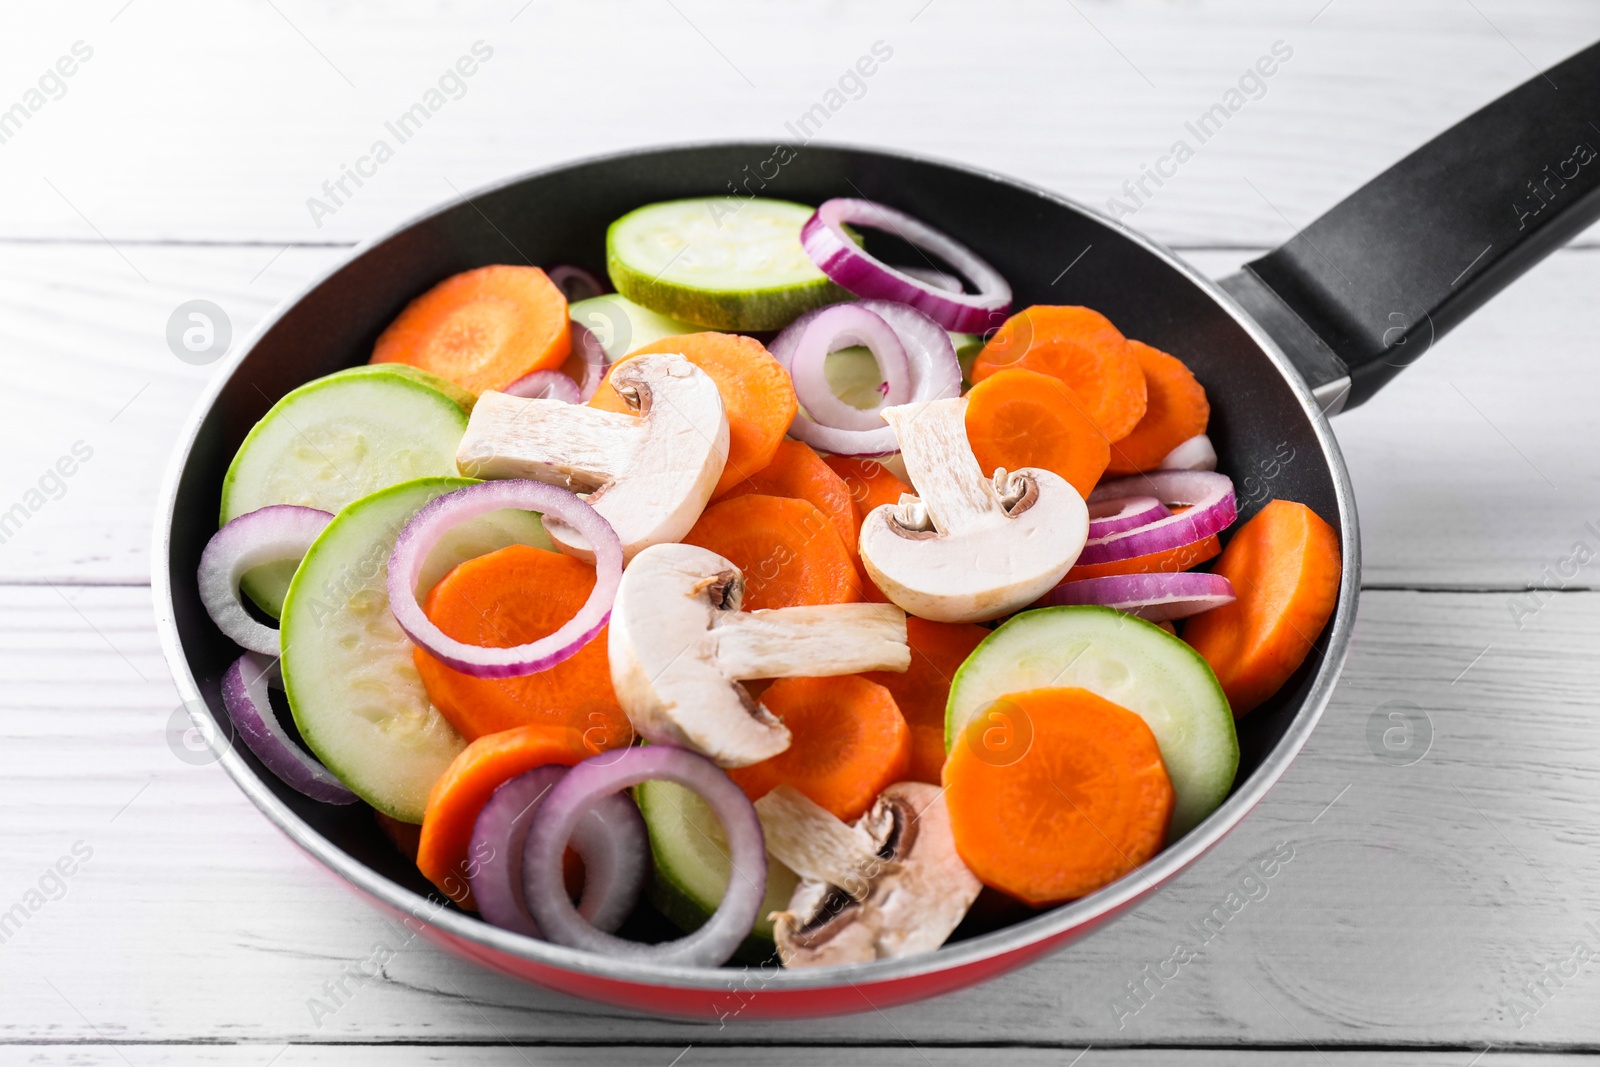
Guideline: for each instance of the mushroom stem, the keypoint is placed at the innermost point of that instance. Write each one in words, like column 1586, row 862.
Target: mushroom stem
column 649, row 475
column 679, row 645
column 816, row 844
column 917, row 888
column 967, row 547
column 791, row 642
column 943, row 468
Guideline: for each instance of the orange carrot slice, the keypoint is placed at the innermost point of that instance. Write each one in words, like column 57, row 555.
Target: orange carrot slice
column 869, row 482
column 1170, row 561
column 799, row 472
column 482, row 329
column 1021, row 418
column 1080, row 347
column 849, row 742
column 756, row 393
column 870, row 485
column 789, row 552
column 506, row 598
column 1285, row 567
column 1087, row 801
column 1177, row 410
column 465, row 787
column 938, row 649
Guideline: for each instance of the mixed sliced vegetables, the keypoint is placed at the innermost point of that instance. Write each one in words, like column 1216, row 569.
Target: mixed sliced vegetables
column 794, row 596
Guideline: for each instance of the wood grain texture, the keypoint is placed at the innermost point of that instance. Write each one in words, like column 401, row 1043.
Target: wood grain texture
column 218, row 122
column 1418, row 901
column 1422, row 902
column 521, row 1055
column 1450, row 461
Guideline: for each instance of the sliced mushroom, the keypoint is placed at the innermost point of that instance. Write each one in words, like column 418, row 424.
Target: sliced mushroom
column 968, row 548
column 892, row 885
column 648, row 475
column 679, row 646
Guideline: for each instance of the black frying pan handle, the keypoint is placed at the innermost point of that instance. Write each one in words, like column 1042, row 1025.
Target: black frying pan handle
column 1368, row 287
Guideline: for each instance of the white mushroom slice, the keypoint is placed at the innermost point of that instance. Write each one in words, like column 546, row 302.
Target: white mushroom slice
column 815, row 844
column 648, row 475
column 918, row 889
column 679, row 646
column 968, row 548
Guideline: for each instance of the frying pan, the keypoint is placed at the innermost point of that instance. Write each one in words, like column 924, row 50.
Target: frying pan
column 1315, row 326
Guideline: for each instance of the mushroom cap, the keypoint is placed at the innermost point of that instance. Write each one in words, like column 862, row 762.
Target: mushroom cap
column 649, row 475
column 662, row 646
column 992, row 564
column 968, row 547
column 919, row 889
column 679, row 646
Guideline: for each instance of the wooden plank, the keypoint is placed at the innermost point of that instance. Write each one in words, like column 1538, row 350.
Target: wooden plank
column 1449, row 461
column 1418, row 901
column 1075, row 98
column 85, row 358
column 300, row 1055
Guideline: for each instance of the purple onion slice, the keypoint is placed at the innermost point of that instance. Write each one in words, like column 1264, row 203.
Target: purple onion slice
column 600, row 776
column 244, row 694
column 610, row 838
column 1211, row 508
column 266, row 535
column 934, row 371
column 863, row 274
column 1156, row 597
column 1124, row 513
column 544, row 385
column 443, row 514
column 576, row 283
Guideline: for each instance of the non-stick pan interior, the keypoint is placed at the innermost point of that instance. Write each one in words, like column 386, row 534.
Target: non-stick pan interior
column 1264, row 436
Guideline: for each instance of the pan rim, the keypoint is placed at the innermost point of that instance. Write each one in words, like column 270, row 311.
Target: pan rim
column 1008, row 941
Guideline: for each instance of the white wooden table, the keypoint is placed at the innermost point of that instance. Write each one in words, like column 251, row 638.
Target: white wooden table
column 175, row 163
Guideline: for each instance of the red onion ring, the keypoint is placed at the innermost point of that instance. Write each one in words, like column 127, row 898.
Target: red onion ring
column 244, row 694
column 610, row 838
column 1212, row 509
column 936, row 278
column 576, row 283
column 599, row 776
column 595, row 360
column 806, row 344
column 545, row 385
column 1124, row 513
column 935, row 374
column 266, row 535
column 1195, row 454
column 853, row 267
column 1156, row 597
column 444, row 513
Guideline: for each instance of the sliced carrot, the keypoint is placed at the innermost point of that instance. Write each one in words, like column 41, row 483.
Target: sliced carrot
column 1086, row 802
column 849, row 742
column 1172, row 560
column 799, row 472
column 870, row 485
column 869, row 482
column 938, row 649
column 482, row 329
column 465, row 787
column 403, row 835
column 511, row 597
column 1285, row 567
column 788, row 551
column 756, row 393
column 1021, row 418
column 1177, row 410
column 1080, row 347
